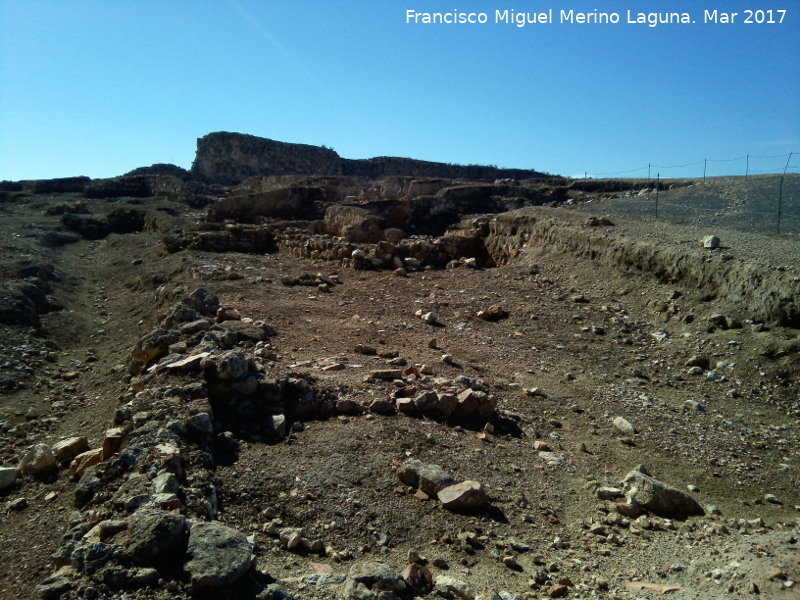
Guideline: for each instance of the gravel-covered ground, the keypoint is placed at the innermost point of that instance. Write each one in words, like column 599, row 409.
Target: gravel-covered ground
column 714, row 411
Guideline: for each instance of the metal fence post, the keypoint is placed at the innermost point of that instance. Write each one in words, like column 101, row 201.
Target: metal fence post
column 658, row 185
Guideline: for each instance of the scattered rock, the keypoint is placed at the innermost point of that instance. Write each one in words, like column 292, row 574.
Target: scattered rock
column 467, row 495
column 157, row 539
column 366, row 350
column 624, row 426
column 659, row 498
column 711, row 242
column 38, row 460
column 112, row 442
column 70, row 448
column 373, row 581
column 698, row 360
column 8, row 477
column 386, row 374
column 151, row 347
column 609, row 493
column 449, row 587
column 493, row 313
column 85, row 460
column 418, row 578
column 430, row 478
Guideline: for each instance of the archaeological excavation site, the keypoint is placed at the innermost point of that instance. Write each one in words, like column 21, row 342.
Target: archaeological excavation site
column 283, row 374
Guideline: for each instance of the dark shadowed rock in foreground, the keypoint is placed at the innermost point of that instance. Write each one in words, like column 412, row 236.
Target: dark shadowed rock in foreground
column 218, row 555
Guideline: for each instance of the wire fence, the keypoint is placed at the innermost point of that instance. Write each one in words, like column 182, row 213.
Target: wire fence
column 764, row 197
column 749, row 164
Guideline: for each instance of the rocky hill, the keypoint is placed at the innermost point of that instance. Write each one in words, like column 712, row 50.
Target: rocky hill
column 230, row 158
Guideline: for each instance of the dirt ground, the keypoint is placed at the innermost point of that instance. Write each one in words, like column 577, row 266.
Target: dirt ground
column 598, row 342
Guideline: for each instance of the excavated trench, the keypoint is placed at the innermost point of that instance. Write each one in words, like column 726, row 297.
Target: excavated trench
column 762, row 293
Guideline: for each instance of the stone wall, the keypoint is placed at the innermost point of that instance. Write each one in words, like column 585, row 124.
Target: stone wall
column 230, row 158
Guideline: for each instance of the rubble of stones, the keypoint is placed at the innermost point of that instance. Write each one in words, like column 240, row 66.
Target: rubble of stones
column 146, row 499
column 404, row 225
column 146, row 502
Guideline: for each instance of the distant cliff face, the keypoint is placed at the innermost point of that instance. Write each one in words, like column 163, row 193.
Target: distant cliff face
column 230, row 158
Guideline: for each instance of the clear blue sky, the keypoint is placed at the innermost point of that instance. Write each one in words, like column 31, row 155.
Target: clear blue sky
column 100, row 88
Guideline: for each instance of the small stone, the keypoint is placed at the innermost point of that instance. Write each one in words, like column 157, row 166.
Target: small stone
column 772, row 499
column 658, row 497
column 541, row 446
column 294, row 539
column 511, row 563
column 429, row 478
column 227, row 313
column 631, row 511
column 493, row 313
column 609, row 493
column 558, row 591
column 407, row 406
column 373, row 580
column 418, row 578
column 85, row 460
column 464, row 496
column 112, row 442
column 383, row 407
column 385, row 374
column 711, row 242
column 624, row 426
column 8, row 477
column 18, row 504
column 166, row 483
column 449, row 587
column 70, row 448
column 535, row 392
column 274, row 428
column 431, row 318
column 698, row 360
column 38, row 460
column 366, row 350
column 157, row 538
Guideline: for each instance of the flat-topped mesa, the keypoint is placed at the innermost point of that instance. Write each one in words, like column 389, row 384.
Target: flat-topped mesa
column 230, row 158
